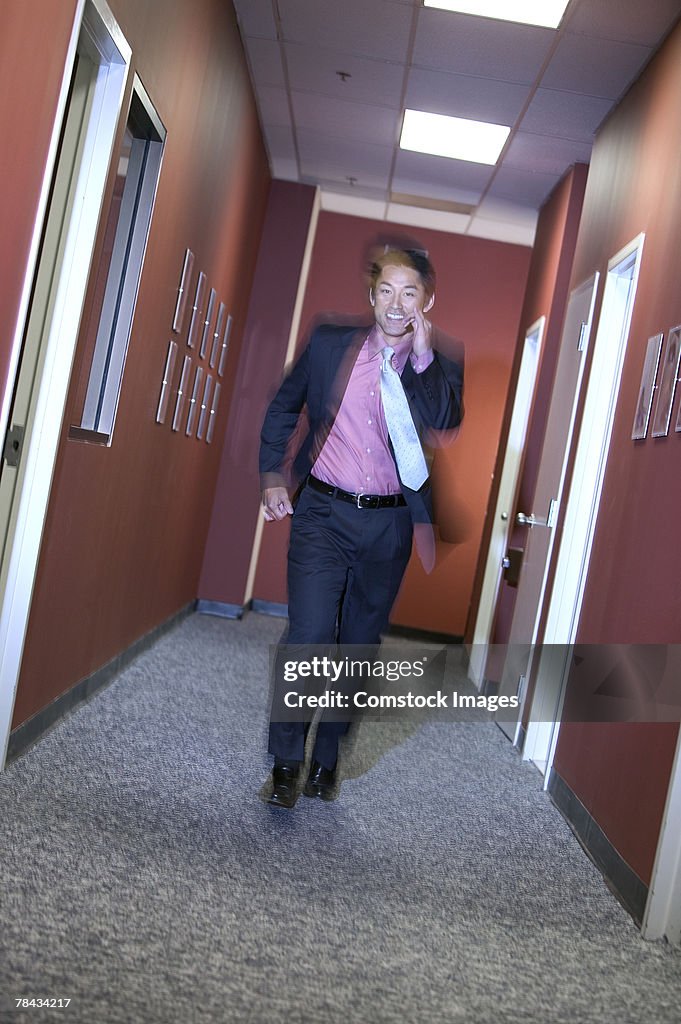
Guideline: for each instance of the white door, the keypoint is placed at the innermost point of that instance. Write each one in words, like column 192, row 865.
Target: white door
column 46, row 340
column 539, row 522
column 581, row 507
column 501, row 523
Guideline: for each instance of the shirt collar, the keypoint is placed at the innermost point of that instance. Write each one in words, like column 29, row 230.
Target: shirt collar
column 376, row 343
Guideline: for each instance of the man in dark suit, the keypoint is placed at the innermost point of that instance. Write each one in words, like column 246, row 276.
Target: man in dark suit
column 360, row 477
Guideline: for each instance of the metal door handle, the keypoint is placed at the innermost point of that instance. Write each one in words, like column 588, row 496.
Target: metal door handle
column 531, row 520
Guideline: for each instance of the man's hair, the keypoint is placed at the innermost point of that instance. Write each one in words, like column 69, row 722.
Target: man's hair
column 416, row 259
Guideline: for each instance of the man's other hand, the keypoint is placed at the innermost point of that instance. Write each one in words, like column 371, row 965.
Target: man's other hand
column 276, row 504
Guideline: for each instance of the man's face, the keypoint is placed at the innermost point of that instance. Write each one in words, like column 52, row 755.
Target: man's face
column 399, row 293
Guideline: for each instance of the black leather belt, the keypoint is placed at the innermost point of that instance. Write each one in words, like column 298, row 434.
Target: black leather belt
column 359, row 500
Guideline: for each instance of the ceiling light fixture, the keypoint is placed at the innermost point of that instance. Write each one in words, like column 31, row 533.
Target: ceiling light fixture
column 453, row 137
column 547, row 13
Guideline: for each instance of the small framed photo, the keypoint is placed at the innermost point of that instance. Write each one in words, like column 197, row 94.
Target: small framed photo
column 182, row 392
column 183, row 291
column 646, row 387
column 207, row 322
column 216, row 335
column 205, row 408
column 225, row 346
column 165, row 383
column 196, row 321
column 667, row 386
column 193, row 413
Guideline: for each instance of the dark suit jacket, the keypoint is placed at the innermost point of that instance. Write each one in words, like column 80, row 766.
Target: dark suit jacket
column 318, row 381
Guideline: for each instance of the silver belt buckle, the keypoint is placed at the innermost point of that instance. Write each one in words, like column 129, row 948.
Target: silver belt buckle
column 358, row 498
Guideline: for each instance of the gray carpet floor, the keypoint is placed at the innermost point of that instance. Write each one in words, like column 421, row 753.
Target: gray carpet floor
column 144, row 878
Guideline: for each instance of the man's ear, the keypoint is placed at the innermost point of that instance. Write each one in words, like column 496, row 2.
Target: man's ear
column 372, row 300
column 430, row 303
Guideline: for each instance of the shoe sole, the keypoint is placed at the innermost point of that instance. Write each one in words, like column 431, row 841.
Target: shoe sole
column 321, row 791
column 276, row 801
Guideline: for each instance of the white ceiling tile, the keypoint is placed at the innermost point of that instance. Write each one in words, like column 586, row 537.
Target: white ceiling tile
column 465, row 96
column 285, row 169
column 502, row 231
column 435, row 220
column 428, row 172
column 497, row 209
column 633, row 21
column 313, row 69
column 353, row 205
column 279, row 142
column 256, row 18
column 334, row 160
column 273, row 105
column 378, row 29
column 598, row 67
column 465, row 45
column 545, row 153
column 524, row 187
column 426, row 190
column 346, row 120
column 265, row 59
column 565, row 114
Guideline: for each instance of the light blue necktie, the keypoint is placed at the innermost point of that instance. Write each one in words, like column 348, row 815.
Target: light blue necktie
column 405, row 441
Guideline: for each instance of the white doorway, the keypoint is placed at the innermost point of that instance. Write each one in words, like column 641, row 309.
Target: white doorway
column 508, row 484
column 539, row 523
column 44, row 344
column 582, row 505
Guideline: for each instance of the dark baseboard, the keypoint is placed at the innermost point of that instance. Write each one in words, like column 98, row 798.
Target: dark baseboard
column 30, row 731
column 220, row 608
column 426, row 636
column 622, row 881
column 280, row 611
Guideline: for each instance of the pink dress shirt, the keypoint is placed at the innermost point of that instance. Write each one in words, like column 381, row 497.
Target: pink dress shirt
column 356, row 454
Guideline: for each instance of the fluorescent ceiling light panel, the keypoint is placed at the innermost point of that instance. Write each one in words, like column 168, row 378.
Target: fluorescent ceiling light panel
column 454, row 137
column 547, row 13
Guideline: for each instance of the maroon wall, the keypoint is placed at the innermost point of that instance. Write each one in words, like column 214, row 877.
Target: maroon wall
column 633, row 594
column 266, row 334
column 479, row 296
column 34, row 38
column 126, row 526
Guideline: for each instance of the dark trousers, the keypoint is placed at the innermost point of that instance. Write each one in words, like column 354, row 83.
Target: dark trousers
column 345, row 567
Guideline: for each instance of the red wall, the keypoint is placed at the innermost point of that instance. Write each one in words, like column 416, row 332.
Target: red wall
column 633, row 590
column 33, row 41
column 126, row 526
column 479, row 297
column 266, row 334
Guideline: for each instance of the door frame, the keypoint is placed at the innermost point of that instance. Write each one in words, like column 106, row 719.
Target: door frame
column 662, row 915
column 508, row 486
column 54, row 361
column 581, row 508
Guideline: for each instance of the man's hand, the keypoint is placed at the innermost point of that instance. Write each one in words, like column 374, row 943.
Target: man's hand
column 423, row 333
column 276, row 504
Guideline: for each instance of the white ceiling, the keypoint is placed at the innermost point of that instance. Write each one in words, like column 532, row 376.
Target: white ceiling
column 554, row 87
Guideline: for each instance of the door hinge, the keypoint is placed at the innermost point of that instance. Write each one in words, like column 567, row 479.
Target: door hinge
column 14, row 443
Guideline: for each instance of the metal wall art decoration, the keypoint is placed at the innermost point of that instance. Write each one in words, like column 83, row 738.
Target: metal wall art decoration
column 213, row 413
column 216, row 334
column 165, row 383
column 197, row 310
column 667, row 386
column 192, row 415
column 225, row 346
column 646, row 387
column 207, row 322
column 183, row 291
column 205, row 408
column 182, row 392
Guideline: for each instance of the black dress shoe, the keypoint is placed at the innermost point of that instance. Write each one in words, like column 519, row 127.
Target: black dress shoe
column 284, row 785
column 321, row 782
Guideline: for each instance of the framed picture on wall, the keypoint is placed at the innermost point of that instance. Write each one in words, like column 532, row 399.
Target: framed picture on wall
column 667, row 386
column 165, row 383
column 197, row 310
column 183, row 291
column 207, row 322
column 646, row 387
